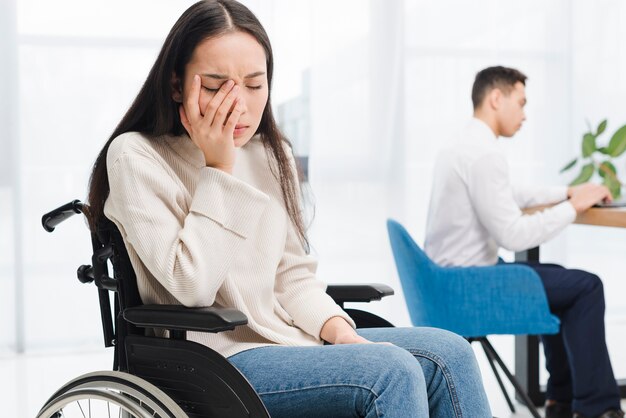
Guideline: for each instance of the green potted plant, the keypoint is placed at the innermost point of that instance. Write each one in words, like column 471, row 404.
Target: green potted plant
column 599, row 159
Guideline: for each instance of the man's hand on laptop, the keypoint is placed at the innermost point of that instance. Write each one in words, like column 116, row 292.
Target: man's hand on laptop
column 583, row 196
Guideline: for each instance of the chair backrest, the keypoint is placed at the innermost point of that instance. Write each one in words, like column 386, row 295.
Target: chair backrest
column 471, row 301
column 414, row 269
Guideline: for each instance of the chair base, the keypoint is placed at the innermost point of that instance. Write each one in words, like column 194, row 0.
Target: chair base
column 493, row 358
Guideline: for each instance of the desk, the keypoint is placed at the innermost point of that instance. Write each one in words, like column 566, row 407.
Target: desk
column 527, row 347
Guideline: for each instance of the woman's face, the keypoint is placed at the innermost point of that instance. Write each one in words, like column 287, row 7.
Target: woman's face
column 235, row 56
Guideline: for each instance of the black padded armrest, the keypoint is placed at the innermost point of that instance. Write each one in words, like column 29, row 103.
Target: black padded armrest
column 342, row 293
column 180, row 318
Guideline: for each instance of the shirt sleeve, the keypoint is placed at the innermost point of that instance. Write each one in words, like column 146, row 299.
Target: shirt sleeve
column 527, row 196
column 497, row 209
column 188, row 250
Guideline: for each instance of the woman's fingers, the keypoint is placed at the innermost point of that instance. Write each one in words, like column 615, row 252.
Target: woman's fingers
column 233, row 118
column 224, row 109
column 192, row 102
column 207, row 129
column 216, row 102
column 183, row 119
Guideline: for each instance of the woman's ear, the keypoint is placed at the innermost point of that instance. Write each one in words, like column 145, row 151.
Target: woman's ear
column 177, row 88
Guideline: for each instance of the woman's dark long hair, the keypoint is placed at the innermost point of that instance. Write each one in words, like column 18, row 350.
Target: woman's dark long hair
column 155, row 113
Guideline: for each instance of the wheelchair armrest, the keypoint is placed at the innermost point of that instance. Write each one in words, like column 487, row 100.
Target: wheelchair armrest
column 342, row 293
column 181, row 318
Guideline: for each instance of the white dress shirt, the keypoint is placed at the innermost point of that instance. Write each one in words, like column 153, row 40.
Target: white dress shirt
column 474, row 209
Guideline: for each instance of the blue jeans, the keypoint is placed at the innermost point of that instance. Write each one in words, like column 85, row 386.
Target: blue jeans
column 427, row 372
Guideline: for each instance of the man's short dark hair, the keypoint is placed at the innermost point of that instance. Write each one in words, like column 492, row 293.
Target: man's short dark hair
column 491, row 78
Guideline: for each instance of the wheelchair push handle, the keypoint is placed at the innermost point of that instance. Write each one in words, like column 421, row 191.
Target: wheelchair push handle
column 51, row 219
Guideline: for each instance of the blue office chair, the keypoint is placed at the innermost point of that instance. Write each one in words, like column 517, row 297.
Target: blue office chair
column 473, row 301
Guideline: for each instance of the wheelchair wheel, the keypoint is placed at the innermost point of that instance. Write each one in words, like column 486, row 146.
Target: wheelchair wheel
column 110, row 394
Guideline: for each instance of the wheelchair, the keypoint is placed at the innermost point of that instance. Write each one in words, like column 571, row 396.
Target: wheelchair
column 164, row 377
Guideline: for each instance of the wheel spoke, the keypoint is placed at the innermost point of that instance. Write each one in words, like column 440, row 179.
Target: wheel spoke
column 81, row 409
column 109, row 391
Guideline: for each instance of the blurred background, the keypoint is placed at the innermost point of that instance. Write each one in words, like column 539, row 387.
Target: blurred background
column 368, row 91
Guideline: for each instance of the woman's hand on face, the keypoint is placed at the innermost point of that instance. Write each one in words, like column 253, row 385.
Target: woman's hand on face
column 213, row 131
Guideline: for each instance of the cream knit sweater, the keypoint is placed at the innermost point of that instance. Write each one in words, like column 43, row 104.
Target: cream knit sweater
column 199, row 237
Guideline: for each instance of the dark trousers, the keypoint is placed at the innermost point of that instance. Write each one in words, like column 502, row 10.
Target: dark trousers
column 577, row 358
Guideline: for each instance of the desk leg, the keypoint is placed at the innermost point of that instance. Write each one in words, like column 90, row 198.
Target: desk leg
column 527, row 367
column 527, row 349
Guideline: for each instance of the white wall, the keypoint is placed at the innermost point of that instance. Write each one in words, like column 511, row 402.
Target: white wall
column 389, row 83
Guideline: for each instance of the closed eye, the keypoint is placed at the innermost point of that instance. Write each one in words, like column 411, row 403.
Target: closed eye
column 217, row 89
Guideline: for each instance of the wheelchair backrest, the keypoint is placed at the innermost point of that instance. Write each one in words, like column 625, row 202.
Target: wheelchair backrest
column 108, row 247
column 108, row 239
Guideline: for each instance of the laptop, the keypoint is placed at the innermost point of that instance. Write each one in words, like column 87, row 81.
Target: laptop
column 619, row 203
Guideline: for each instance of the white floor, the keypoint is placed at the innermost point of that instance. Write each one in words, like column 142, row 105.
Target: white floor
column 27, row 380
column 504, row 347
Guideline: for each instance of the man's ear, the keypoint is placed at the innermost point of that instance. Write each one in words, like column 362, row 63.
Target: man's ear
column 177, row 88
column 494, row 98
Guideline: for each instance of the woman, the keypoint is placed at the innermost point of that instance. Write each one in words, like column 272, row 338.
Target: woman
column 202, row 186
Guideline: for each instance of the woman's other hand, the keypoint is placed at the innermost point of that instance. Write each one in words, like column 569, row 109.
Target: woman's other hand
column 352, row 339
column 337, row 331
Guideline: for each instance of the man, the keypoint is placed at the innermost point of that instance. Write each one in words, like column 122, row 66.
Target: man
column 474, row 210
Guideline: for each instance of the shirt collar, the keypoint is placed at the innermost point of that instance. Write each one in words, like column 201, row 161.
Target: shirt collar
column 185, row 147
column 481, row 131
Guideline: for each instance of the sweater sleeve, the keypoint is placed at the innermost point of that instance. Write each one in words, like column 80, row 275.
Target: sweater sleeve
column 188, row 250
column 300, row 293
column 297, row 288
column 493, row 200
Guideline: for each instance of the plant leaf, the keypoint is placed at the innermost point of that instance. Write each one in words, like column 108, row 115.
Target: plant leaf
column 585, row 174
column 617, row 145
column 589, row 145
column 614, row 186
column 603, row 150
column 569, row 165
column 607, row 168
column 601, row 127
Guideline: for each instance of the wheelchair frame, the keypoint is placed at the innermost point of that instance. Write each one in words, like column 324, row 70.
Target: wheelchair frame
column 167, row 377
